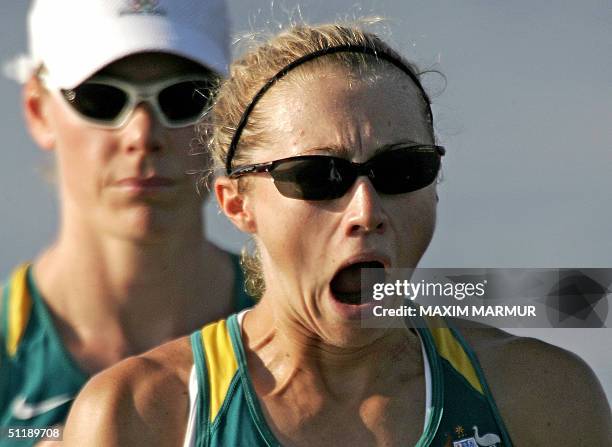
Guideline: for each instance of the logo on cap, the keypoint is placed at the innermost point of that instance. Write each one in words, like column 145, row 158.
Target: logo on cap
column 148, row 7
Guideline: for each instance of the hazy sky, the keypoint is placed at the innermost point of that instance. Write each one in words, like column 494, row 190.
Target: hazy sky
column 526, row 117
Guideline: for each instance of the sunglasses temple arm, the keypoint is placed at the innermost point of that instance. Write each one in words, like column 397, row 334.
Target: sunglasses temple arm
column 251, row 169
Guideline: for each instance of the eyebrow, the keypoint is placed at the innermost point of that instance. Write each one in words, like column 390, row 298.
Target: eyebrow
column 345, row 151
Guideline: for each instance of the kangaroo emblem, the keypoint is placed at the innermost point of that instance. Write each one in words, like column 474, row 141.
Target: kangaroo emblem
column 487, row 440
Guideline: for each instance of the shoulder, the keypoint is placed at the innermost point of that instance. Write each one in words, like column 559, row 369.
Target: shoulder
column 142, row 400
column 546, row 395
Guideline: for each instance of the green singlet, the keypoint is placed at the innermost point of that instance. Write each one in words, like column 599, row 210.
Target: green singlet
column 225, row 410
column 38, row 376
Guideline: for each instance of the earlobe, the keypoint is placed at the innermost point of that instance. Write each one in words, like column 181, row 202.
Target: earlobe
column 36, row 115
column 235, row 205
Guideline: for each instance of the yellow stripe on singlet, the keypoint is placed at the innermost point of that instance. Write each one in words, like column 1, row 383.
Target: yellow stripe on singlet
column 220, row 362
column 449, row 348
column 19, row 308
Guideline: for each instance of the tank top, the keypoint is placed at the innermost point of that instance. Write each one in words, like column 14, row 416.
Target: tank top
column 225, row 411
column 38, row 376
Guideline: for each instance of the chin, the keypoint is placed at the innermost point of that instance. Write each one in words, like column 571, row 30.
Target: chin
column 144, row 225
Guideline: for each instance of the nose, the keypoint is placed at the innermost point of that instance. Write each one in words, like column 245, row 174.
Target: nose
column 143, row 131
column 364, row 214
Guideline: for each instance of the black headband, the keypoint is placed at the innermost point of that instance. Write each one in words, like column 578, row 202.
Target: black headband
column 283, row 71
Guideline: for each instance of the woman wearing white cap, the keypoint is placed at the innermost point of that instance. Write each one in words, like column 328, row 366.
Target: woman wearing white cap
column 326, row 138
column 114, row 89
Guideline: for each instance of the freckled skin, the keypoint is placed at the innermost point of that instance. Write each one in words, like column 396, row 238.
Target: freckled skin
column 321, row 379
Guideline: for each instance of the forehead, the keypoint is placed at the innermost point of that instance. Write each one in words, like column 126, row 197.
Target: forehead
column 143, row 67
column 338, row 111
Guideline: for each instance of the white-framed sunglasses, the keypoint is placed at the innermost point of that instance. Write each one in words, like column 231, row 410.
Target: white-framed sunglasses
column 108, row 102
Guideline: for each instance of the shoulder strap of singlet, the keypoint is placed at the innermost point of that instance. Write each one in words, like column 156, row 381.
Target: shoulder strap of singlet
column 216, row 367
column 192, row 419
column 473, row 359
column 435, row 412
column 242, row 300
column 451, row 346
column 16, row 309
column 454, row 352
column 4, row 292
column 202, row 427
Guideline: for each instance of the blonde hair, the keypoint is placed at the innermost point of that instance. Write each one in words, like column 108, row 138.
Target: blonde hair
column 252, row 71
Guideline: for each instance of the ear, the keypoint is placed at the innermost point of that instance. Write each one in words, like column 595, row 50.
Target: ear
column 235, row 204
column 35, row 105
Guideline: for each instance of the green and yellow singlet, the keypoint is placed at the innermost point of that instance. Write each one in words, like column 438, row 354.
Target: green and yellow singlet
column 225, row 411
column 38, row 376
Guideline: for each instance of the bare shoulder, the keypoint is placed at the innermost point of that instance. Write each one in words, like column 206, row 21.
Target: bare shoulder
column 546, row 395
column 143, row 400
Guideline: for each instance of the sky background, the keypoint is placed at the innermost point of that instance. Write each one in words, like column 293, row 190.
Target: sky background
column 525, row 114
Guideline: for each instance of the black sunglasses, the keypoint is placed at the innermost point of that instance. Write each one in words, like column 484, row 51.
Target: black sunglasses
column 323, row 177
column 108, row 102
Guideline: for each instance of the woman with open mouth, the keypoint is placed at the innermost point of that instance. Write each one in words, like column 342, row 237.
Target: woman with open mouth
column 325, row 136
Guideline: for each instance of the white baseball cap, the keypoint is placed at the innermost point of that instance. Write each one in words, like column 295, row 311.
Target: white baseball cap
column 76, row 38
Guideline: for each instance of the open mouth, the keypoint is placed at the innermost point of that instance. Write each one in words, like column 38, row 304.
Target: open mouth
column 346, row 285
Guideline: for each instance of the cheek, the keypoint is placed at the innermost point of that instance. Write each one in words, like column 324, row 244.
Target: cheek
column 414, row 220
column 82, row 152
column 280, row 229
column 292, row 232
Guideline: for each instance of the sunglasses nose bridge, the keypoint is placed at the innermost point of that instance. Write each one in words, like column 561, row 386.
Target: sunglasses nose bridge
column 363, row 170
column 148, row 97
column 360, row 170
column 144, row 95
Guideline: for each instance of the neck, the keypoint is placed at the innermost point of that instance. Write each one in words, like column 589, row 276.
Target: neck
column 140, row 293
column 287, row 353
